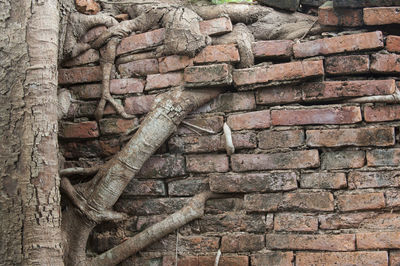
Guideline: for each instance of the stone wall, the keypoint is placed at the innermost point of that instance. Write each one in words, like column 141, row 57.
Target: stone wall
column 315, row 176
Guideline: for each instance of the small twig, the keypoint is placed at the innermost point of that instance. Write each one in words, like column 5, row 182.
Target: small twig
column 79, row 171
column 198, row 128
column 308, row 31
column 217, row 258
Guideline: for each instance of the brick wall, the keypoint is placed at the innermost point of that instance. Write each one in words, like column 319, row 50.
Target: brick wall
column 315, row 176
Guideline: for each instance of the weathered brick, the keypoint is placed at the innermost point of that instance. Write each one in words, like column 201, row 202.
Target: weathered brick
column 109, row 147
column 392, row 198
column 89, row 149
column 187, row 187
column 250, row 120
column 340, row 44
column 224, row 53
column 198, row 243
column 125, row 86
column 231, row 102
column 287, row 160
column 139, row 104
column 150, row 206
column 81, row 130
column 365, row 201
column 139, row 68
column 163, row 166
column 312, row 115
column 381, row 15
column 272, row 258
column 210, row 75
column 173, row 63
column 386, row 157
column 342, row 159
column 87, row 91
column 216, row 26
column 141, row 42
column 241, row 242
column 381, row 221
column 165, row 244
column 210, row 123
column 365, row 3
column 342, row 242
column 278, row 72
column 279, row 95
column 382, row 113
column 273, row 49
column 280, row 139
column 327, row 15
column 109, row 126
column 220, row 206
column 207, row 163
column 290, row 5
column 338, row 89
column 253, row 182
column 159, row 81
column 385, row 63
column 300, row 201
column 394, row 258
column 235, row 222
column 374, row 179
column 378, row 240
column 323, row 180
column 79, row 75
column 342, row 258
column 295, row 222
column 347, row 64
column 225, row 260
column 93, row 33
column 343, row 220
column 384, row 136
column 393, row 43
column 90, row 56
column 145, row 188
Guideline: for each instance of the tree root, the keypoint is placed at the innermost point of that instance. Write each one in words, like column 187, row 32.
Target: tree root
column 79, row 171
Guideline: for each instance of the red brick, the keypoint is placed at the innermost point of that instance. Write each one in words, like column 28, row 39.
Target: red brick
column 347, row 65
column 79, row 75
column 220, row 206
column 279, row 95
column 278, row 72
column 339, row 89
column 210, row 143
column 344, row 221
column 301, row 201
column 373, row 179
column 327, row 15
column 81, row 130
column 273, row 49
column 90, row 56
column 139, row 68
column 216, row 26
column 210, row 75
column 382, row 221
column 385, row 63
column 272, row 258
column 242, row 242
column 173, row 63
column 323, row 180
column 394, row 258
column 318, row 116
column 393, row 43
column 109, row 147
column 141, row 42
column 380, row 157
column 382, row 113
column 187, row 187
column 159, row 81
column 225, row 260
column 342, row 159
column 198, row 243
column 224, row 53
column 207, row 163
column 116, row 126
column 295, row 222
column 364, row 3
column 340, row 44
column 383, row 136
column 145, row 188
column 235, row 222
column 378, row 258
column 231, row 102
column 288, row 160
column 93, row 33
column 125, row 86
column 163, row 166
column 253, row 182
column 250, row 120
column 378, row 240
column 211, row 123
column 139, row 104
column 392, row 198
column 86, row 149
column 280, row 139
column 357, row 202
column 381, row 15
column 342, row 242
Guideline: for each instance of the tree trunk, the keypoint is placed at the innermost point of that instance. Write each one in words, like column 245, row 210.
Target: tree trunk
column 30, row 215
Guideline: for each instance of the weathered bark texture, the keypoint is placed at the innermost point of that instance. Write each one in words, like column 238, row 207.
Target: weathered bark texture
column 30, row 213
